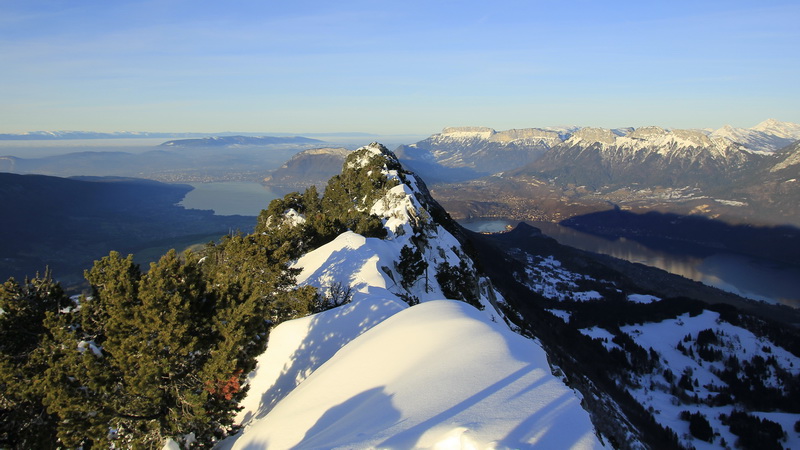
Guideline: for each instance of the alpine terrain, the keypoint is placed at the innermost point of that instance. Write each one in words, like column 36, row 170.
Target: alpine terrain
column 365, row 317
column 421, row 356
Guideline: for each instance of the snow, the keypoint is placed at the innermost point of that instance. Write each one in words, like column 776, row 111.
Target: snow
column 90, row 345
column 298, row 347
column 547, row 277
column 561, row 314
column 604, row 335
column 586, row 296
column 293, row 217
column 377, row 373
column 436, row 375
column 641, row 298
column 663, row 337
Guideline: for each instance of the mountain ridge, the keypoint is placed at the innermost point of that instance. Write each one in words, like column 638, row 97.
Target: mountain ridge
column 735, row 174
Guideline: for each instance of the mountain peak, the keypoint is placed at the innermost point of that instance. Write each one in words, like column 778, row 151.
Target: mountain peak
column 407, row 362
column 775, row 127
column 468, row 132
column 589, row 134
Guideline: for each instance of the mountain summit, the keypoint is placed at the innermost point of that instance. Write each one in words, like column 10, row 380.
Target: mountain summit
column 420, row 357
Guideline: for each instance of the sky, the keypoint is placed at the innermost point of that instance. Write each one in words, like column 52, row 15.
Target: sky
column 391, row 67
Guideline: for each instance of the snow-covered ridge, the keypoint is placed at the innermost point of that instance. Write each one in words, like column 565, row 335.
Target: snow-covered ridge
column 778, row 128
column 533, row 136
column 792, row 159
column 653, row 140
column 766, row 137
column 468, row 132
column 435, row 375
column 379, row 373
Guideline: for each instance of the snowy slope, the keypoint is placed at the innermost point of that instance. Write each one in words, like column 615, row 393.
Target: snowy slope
column 377, row 373
column 767, row 137
column 436, row 375
column 665, row 336
column 298, row 347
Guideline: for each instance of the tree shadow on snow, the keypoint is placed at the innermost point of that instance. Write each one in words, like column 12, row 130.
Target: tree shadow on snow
column 538, row 427
column 353, row 420
column 327, row 333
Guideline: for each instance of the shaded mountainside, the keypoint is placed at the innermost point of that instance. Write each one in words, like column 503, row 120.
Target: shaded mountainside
column 313, row 167
column 68, row 223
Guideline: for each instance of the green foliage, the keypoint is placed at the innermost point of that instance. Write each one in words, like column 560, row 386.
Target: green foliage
column 411, row 266
column 337, row 294
column 344, row 206
column 699, row 426
column 159, row 354
column 26, row 423
column 755, row 433
column 458, row 283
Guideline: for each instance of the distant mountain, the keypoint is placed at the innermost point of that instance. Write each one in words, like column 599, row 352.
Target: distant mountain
column 459, row 153
column 648, row 156
column 67, row 135
column 738, row 174
column 462, row 153
column 171, row 163
column 768, row 136
column 311, row 167
column 229, row 141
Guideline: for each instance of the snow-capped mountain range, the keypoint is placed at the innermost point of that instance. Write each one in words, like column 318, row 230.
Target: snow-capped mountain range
column 485, row 151
column 741, row 174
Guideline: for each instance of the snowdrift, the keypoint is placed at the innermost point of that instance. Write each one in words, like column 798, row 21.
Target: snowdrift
column 436, row 375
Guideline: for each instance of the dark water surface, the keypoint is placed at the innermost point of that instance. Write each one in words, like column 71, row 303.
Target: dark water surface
column 746, row 276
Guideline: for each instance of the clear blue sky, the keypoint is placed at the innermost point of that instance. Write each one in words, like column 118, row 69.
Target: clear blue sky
column 395, row 67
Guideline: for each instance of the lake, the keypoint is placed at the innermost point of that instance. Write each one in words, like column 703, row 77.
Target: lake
column 746, row 276
column 229, row 198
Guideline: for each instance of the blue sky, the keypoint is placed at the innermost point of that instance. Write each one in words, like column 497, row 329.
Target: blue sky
column 410, row 67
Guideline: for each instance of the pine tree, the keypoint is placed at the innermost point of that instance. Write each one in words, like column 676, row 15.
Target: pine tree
column 26, row 423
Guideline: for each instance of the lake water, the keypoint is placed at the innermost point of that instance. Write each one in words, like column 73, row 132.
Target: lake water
column 746, row 276
column 229, row 198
